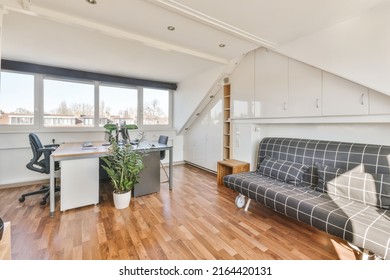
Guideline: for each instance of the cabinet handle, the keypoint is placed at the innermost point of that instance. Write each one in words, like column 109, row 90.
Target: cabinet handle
column 317, row 103
column 284, row 106
column 362, row 99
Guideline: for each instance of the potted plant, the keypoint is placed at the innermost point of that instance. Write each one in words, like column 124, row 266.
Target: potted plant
column 123, row 165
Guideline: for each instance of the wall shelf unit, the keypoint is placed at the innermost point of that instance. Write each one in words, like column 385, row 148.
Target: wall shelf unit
column 226, row 122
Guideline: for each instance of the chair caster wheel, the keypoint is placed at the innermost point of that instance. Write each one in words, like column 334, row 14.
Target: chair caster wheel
column 240, row 201
column 21, row 199
column 43, row 202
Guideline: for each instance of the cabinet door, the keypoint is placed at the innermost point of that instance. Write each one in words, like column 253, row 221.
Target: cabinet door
column 341, row 97
column 379, row 103
column 243, row 88
column 203, row 141
column 271, row 84
column 305, row 87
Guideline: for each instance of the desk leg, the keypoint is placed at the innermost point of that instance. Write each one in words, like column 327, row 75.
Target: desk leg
column 52, row 187
column 170, row 168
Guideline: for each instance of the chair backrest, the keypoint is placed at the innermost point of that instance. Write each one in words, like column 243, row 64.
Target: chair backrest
column 162, row 140
column 35, row 164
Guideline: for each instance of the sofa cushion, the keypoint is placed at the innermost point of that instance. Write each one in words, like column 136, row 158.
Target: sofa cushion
column 370, row 189
column 363, row 225
column 282, row 170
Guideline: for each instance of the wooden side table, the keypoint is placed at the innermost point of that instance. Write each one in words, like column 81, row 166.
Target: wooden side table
column 5, row 242
column 230, row 166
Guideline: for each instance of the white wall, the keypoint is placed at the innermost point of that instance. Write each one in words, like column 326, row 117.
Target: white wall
column 15, row 151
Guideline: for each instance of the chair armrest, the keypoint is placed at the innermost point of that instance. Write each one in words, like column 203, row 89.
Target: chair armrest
column 46, row 152
column 52, row 146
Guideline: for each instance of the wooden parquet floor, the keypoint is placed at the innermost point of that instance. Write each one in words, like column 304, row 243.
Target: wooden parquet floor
column 195, row 220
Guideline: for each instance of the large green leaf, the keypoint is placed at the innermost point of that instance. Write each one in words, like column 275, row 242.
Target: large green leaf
column 123, row 165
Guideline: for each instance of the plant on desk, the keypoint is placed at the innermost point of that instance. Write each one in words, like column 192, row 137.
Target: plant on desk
column 123, row 165
column 113, row 131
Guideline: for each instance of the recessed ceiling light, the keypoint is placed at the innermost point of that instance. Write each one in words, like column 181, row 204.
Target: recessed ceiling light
column 92, row 2
column 171, row 28
column 222, row 45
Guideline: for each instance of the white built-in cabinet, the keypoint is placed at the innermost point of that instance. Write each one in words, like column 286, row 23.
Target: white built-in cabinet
column 243, row 88
column 304, row 90
column 341, row 97
column 271, row 84
column 202, row 145
column 267, row 84
column 379, row 103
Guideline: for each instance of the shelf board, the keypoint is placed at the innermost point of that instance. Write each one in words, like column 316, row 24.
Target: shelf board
column 316, row 120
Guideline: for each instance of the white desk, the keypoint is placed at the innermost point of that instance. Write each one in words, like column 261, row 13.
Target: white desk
column 77, row 189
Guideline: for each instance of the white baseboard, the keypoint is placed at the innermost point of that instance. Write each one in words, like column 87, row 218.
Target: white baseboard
column 201, row 167
column 22, row 184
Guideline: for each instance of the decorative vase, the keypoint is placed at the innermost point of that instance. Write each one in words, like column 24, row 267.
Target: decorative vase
column 122, row 200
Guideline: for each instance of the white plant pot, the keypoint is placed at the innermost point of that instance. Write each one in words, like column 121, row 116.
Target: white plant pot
column 122, row 200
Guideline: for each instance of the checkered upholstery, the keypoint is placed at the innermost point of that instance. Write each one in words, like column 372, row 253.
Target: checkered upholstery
column 282, row 170
column 367, row 188
column 363, row 225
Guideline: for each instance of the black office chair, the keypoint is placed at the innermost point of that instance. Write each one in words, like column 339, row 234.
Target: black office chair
column 163, row 140
column 42, row 165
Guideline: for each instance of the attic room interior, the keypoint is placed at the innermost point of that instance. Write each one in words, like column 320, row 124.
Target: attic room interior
column 275, row 117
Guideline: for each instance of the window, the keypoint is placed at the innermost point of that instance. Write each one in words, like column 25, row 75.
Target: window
column 16, row 87
column 155, row 107
column 117, row 105
column 68, row 104
column 48, row 101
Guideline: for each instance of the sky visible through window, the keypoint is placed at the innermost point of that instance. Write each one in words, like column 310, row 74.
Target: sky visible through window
column 17, row 91
column 56, row 92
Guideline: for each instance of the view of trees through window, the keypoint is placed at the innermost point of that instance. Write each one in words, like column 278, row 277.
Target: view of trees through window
column 156, row 107
column 68, row 103
column 117, row 105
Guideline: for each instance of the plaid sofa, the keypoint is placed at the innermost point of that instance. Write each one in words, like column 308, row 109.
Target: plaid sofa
column 340, row 188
